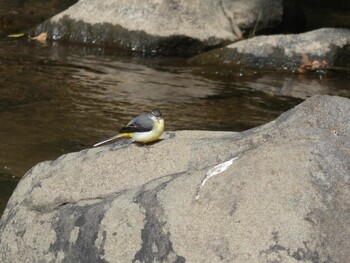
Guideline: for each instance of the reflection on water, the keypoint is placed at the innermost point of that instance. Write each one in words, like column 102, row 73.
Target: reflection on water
column 56, row 99
column 303, row 85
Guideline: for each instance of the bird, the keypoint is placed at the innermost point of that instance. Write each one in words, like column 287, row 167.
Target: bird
column 145, row 128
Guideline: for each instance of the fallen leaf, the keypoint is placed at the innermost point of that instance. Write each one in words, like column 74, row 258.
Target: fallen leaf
column 42, row 37
column 16, row 35
column 308, row 65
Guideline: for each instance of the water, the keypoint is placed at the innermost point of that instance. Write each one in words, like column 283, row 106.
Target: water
column 56, row 99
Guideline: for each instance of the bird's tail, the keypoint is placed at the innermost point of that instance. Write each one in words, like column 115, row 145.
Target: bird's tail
column 121, row 135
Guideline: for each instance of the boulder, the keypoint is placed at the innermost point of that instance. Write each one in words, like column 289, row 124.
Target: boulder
column 164, row 27
column 276, row 193
column 318, row 49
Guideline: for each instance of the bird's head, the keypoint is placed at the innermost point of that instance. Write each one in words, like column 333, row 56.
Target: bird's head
column 156, row 115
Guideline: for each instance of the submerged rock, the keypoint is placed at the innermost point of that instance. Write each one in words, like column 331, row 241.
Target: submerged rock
column 313, row 50
column 160, row 27
column 276, row 192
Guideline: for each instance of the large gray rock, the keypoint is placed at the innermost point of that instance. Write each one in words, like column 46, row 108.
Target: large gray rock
column 165, row 27
column 276, row 193
column 292, row 52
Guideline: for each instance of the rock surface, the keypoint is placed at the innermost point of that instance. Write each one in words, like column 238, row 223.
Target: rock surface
column 162, row 27
column 328, row 46
column 276, row 193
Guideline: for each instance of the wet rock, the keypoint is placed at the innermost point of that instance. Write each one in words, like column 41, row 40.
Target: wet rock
column 276, row 192
column 313, row 50
column 160, row 27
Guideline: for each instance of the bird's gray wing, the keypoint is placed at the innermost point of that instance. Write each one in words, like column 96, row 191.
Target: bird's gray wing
column 142, row 123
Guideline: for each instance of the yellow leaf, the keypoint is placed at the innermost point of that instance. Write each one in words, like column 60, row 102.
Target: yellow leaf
column 16, row 35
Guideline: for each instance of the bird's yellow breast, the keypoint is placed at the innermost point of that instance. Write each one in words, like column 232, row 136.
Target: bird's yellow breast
column 150, row 136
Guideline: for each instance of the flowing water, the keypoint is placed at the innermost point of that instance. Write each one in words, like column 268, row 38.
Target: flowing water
column 55, row 99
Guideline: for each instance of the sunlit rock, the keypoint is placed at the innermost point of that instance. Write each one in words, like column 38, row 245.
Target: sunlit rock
column 316, row 50
column 161, row 27
column 276, row 192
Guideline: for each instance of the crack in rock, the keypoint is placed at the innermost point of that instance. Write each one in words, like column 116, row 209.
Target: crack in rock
column 236, row 31
column 156, row 244
column 301, row 254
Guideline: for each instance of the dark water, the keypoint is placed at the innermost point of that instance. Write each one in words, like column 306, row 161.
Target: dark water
column 56, row 99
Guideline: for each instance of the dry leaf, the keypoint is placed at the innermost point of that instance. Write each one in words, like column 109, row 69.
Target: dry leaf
column 41, row 37
column 308, row 65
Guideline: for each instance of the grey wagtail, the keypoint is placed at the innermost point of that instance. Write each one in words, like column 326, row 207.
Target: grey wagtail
column 144, row 128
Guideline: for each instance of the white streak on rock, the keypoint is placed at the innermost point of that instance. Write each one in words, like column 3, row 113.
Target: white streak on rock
column 217, row 169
